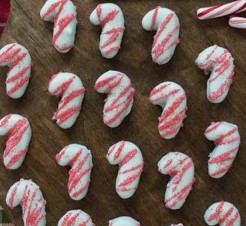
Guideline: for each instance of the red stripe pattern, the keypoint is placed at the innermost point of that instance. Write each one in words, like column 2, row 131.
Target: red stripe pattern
column 76, row 218
column 166, row 22
column 79, row 158
column 28, row 194
column 120, row 96
column 172, row 98
column 110, row 17
column 227, row 140
column 63, row 13
column 130, row 160
column 71, row 90
column 123, row 221
column 181, row 169
column 220, row 62
column 238, row 22
column 19, row 133
column 18, row 59
column 223, row 214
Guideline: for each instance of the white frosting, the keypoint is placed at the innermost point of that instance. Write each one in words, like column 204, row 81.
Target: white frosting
column 130, row 160
column 177, row 225
column 166, row 22
column 123, row 221
column 64, row 15
column 18, row 59
column 110, row 17
column 80, row 160
column 70, row 87
column 238, row 22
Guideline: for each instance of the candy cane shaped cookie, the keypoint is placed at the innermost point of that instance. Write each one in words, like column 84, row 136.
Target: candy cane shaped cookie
column 19, row 133
column 238, row 22
column 227, row 140
column 166, row 22
column 220, row 62
column 221, row 10
column 63, row 13
column 223, row 214
column 110, row 17
column 28, row 194
column 18, row 59
column 172, row 98
column 177, row 225
column 70, row 87
column 76, row 218
column 123, row 221
column 181, row 169
column 130, row 160
column 120, row 96
column 80, row 159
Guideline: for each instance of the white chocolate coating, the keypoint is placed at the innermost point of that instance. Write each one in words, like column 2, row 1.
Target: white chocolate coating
column 123, row 221
column 238, row 22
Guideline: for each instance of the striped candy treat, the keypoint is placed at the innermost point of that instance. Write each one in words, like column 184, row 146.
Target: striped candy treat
column 227, row 140
column 238, row 22
column 110, row 17
column 80, row 159
column 177, row 225
column 181, row 169
column 70, row 87
column 123, row 221
column 130, row 160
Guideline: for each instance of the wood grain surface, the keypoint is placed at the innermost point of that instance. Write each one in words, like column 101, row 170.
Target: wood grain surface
column 140, row 127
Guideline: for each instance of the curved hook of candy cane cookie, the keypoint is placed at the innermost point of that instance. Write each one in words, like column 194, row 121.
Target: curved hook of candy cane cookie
column 110, row 17
column 130, row 160
column 76, row 218
column 64, row 15
column 70, row 87
column 18, row 59
column 238, row 22
column 79, row 158
column 166, row 22
column 172, row 98
column 181, row 169
column 19, row 133
column 227, row 140
column 220, row 62
column 123, row 221
column 223, row 214
column 28, row 194
column 120, row 96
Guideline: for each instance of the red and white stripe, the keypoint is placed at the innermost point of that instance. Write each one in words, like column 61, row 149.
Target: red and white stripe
column 120, row 96
column 19, row 133
column 123, row 221
column 79, row 158
column 71, row 90
column 238, row 22
column 181, row 169
column 222, row 214
column 28, row 194
column 76, row 218
column 219, row 61
column 110, row 17
column 18, row 59
column 172, row 98
column 130, row 160
column 227, row 140
column 64, row 15
column 221, row 10
column 166, row 22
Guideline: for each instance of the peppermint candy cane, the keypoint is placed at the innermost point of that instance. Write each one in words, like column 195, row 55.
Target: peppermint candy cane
column 28, row 194
column 220, row 62
column 238, row 22
column 18, row 59
column 221, row 10
column 181, row 169
column 120, row 96
column 172, row 98
column 80, row 159
column 223, row 214
column 227, row 140
column 76, row 218
column 110, row 17
column 130, row 160
column 123, row 221
column 19, row 133
column 70, row 87
column 63, row 13
column 166, row 22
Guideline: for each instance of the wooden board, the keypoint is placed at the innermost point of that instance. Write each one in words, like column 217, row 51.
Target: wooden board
column 140, row 127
